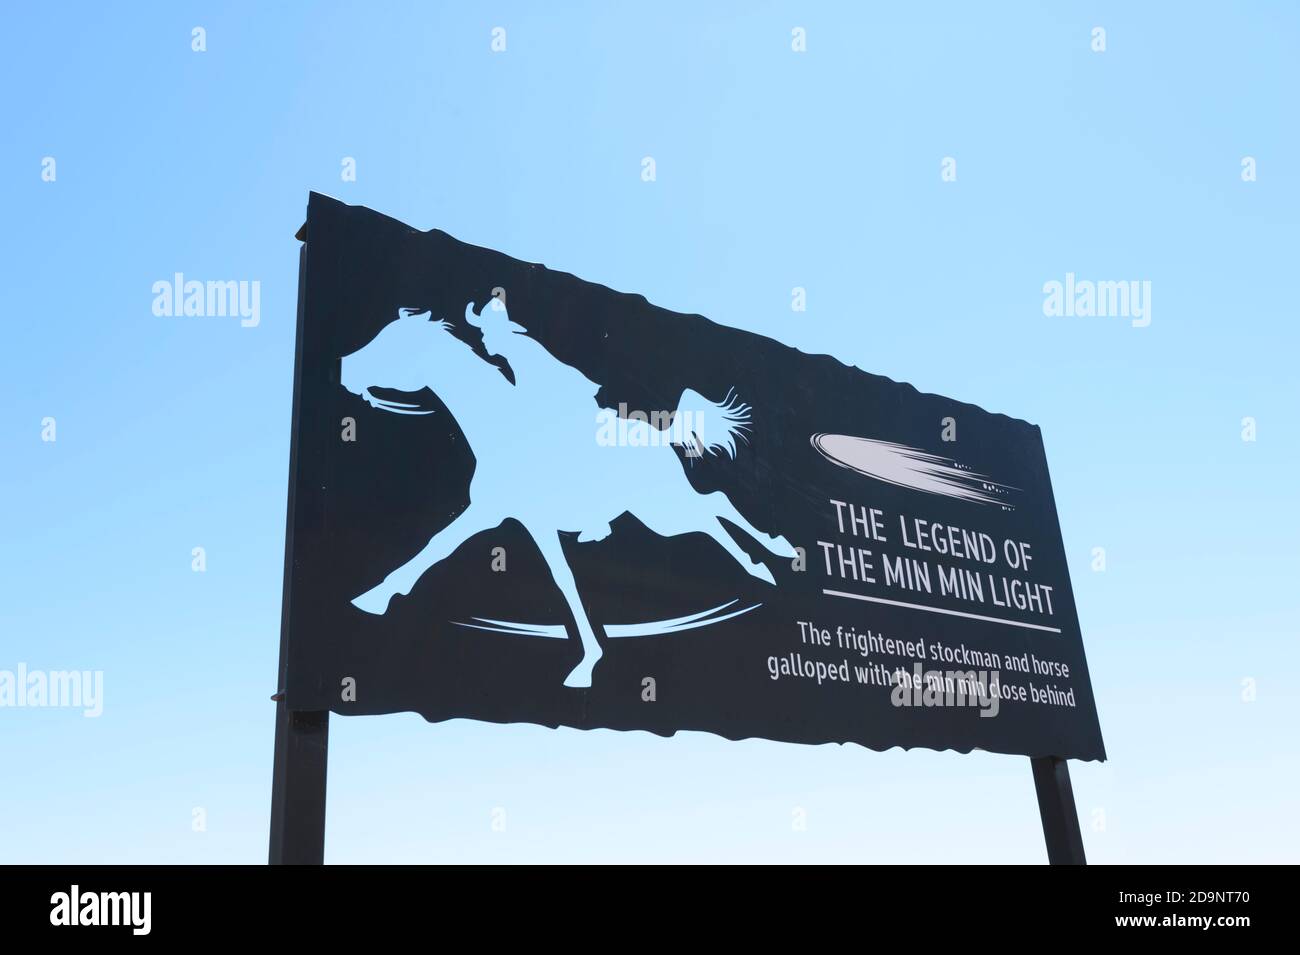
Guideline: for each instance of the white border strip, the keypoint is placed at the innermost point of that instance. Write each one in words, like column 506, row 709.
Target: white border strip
column 952, row 613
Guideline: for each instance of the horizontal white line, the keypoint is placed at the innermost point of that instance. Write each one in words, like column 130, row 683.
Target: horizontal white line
column 952, row 613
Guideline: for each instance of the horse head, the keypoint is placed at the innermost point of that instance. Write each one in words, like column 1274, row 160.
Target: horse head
column 414, row 352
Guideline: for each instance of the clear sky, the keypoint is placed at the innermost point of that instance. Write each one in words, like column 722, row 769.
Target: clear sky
column 775, row 169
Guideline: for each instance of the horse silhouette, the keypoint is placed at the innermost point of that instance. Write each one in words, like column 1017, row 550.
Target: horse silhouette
column 547, row 420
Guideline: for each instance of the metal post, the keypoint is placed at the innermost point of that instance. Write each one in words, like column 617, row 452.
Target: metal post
column 301, row 737
column 1056, row 806
column 298, row 787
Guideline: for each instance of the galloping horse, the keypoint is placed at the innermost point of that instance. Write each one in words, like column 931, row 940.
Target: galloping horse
column 545, row 421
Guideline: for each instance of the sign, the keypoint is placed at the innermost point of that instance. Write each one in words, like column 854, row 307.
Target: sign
column 518, row 496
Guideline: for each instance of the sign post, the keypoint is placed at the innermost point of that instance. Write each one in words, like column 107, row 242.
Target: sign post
column 1056, row 806
column 298, row 787
column 301, row 737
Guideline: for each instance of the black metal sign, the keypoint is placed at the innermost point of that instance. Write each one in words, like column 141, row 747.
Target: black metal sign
column 520, row 496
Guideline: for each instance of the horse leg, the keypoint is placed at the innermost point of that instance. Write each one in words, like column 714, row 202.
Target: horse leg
column 722, row 507
column 548, row 542
column 698, row 513
column 719, row 534
column 440, row 546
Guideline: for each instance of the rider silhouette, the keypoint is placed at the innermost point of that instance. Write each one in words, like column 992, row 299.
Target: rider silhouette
column 540, row 379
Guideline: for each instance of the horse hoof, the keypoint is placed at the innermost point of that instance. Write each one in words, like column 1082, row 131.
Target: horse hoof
column 761, row 571
column 782, row 548
column 373, row 601
column 580, row 676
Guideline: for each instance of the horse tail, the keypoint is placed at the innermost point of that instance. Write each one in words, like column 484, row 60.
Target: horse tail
column 703, row 427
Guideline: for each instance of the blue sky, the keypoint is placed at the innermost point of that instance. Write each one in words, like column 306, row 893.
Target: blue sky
column 775, row 169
